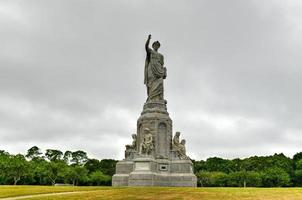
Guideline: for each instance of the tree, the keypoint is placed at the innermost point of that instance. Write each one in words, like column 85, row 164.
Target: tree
column 198, row 165
column 283, row 162
column 98, row 178
column 39, row 171
column 217, row 165
column 17, row 167
column 67, row 156
column 79, row 157
column 297, row 156
column 54, row 170
column 236, row 165
column 108, row 166
column 298, row 164
column 33, row 153
column 244, row 178
column 212, row 179
column 253, row 179
column 297, row 178
column 92, row 165
column 53, row 154
column 76, row 173
column 275, row 177
column 4, row 158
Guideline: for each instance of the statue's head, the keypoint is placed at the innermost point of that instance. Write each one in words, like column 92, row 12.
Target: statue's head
column 156, row 45
column 183, row 142
column 177, row 134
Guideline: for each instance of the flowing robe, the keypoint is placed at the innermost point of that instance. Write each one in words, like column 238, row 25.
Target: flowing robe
column 155, row 72
column 175, row 143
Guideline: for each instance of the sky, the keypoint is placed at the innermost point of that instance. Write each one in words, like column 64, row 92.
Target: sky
column 71, row 74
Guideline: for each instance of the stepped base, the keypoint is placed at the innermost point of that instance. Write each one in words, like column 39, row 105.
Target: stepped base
column 155, row 172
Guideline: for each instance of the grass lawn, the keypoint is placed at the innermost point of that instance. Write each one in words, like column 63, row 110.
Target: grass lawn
column 13, row 191
column 127, row 193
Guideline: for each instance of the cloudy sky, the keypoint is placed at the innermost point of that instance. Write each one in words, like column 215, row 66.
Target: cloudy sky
column 71, row 74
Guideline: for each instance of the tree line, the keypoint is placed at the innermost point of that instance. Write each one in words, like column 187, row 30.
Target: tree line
column 258, row 171
column 54, row 166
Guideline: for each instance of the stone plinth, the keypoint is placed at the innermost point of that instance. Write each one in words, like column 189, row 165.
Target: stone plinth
column 162, row 167
column 155, row 172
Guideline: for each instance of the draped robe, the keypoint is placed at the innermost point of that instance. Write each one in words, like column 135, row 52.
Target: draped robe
column 155, row 72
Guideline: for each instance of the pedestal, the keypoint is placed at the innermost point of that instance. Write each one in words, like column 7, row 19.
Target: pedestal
column 162, row 167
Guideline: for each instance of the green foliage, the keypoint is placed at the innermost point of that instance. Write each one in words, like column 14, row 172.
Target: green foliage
column 4, row 160
column 92, row 165
column 79, row 157
column 275, row 177
column 244, row 179
column 33, row 153
column 217, row 165
column 298, row 164
column 67, row 156
column 267, row 171
column 53, row 154
column 253, row 179
column 55, row 170
column 212, row 179
column 38, row 172
column 98, row 178
column 76, row 168
column 16, row 167
column 107, row 166
column 71, row 167
column 297, row 179
column 297, row 156
column 76, row 174
column 199, row 166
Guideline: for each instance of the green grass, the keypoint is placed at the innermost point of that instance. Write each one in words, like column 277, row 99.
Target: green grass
column 148, row 193
column 13, row 191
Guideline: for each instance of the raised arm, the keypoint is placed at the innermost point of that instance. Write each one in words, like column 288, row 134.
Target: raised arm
column 147, row 44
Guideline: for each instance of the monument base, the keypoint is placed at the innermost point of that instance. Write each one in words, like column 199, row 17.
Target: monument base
column 154, row 172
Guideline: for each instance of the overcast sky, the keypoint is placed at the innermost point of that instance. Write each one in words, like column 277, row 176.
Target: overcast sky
column 71, row 74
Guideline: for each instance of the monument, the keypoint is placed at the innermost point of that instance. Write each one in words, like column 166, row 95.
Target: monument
column 155, row 158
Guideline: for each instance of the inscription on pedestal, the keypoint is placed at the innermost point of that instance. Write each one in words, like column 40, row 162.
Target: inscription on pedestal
column 140, row 166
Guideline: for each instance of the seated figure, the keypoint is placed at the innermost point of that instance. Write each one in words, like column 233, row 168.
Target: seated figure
column 179, row 147
column 146, row 146
column 131, row 149
column 182, row 150
column 175, row 142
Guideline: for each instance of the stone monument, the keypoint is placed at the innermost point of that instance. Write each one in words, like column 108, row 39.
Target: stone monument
column 154, row 158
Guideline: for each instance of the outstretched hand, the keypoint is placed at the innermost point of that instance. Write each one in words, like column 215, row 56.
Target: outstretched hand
column 149, row 37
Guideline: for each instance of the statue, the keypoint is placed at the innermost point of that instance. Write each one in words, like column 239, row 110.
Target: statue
column 182, row 150
column 147, row 144
column 133, row 146
column 179, row 147
column 155, row 72
column 131, row 149
column 175, row 141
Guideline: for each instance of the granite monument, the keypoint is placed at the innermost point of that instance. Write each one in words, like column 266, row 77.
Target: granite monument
column 155, row 158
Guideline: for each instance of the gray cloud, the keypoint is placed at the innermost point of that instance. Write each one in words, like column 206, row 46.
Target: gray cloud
column 71, row 74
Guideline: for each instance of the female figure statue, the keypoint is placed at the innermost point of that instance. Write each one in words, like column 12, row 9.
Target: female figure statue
column 182, row 154
column 175, row 141
column 179, row 147
column 155, row 72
